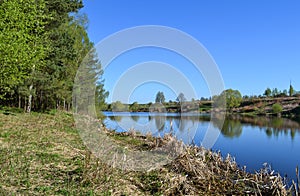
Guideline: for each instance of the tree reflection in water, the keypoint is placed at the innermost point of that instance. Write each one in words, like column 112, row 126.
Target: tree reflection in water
column 231, row 128
column 184, row 123
column 115, row 118
column 233, row 125
column 135, row 118
column 159, row 122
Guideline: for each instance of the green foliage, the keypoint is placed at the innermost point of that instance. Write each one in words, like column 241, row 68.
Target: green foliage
column 291, row 90
column 275, row 92
column 42, row 45
column 134, row 107
column 153, row 182
column 229, row 99
column 160, row 97
column 101, row 95
column 278, row 93
column 118, row 106
column 277, row 108
column 22, row 47
column 268, row 92
column 181, row 98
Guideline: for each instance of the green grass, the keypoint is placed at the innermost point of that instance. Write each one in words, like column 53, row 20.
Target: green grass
column 134, row 142
column 43, row 154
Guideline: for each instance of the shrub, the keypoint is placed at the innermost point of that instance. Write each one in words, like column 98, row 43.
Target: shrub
column 277, row 108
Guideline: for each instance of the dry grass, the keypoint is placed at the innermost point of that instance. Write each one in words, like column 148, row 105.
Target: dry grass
column 42, row 154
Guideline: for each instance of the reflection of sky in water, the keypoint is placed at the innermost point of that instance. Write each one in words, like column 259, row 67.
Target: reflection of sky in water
column 254, row 148
column 184, row 129
column 274, row 141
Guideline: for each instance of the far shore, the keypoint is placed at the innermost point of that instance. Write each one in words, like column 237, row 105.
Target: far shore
column 251, row 107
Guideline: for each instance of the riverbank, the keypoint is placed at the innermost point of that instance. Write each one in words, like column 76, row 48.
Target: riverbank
column 44, row 154
column 290, row 107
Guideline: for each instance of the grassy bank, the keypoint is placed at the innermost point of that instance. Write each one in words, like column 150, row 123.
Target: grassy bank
column 44, row 154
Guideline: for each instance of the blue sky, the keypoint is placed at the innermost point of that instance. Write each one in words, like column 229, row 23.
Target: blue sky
column 256, row 44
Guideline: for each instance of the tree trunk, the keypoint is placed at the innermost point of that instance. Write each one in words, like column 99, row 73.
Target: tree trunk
column 29, row 99
column 41, row 104
column 25, row 104
column 19, row 101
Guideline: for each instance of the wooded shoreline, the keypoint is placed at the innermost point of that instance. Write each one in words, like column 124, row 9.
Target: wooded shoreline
column 259, row 106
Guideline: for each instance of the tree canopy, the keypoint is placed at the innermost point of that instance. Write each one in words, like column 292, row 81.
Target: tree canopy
column 229, row 98
column 268, row 92
column 42, row 44
column 118, row 106
column 291, row 90
column 181, row 98
column 160, row 97
column 277, row 108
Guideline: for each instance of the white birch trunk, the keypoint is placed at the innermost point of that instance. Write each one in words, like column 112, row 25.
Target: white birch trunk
column 29, row 99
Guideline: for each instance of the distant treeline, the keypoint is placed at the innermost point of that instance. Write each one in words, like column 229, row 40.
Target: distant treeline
column 229, row 100
column 188, row 106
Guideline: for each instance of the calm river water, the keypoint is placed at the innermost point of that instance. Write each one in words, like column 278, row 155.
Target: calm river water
column 253, row 141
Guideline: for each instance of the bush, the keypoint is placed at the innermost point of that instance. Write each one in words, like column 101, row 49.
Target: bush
column 277, row 108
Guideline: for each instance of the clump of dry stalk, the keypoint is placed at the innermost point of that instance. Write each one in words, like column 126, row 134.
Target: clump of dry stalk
column 198, row 171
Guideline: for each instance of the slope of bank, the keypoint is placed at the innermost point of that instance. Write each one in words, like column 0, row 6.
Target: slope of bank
column 263, row 106
column 44, row 154
column 252, row 106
